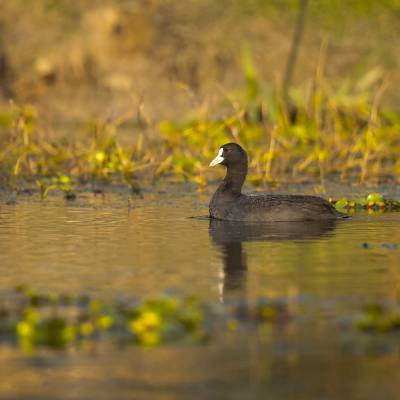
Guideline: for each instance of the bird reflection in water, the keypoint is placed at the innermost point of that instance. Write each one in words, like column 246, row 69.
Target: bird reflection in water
column 230, row 235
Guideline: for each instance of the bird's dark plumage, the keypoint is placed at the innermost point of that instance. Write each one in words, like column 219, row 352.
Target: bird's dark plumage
column 228, row 202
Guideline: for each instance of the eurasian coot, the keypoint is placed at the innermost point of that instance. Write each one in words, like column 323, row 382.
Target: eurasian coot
column 228, row 202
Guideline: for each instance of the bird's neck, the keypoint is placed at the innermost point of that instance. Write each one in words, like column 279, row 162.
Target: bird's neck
column 234, row 178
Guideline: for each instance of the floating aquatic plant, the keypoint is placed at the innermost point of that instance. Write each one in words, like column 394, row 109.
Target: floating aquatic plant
column 372, row 202
column 34, row 319
column 377, row 318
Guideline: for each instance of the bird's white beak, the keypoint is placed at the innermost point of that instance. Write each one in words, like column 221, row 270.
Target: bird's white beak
column 218, row 159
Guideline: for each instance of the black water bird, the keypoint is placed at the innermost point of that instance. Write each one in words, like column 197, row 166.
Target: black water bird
column 229, row 203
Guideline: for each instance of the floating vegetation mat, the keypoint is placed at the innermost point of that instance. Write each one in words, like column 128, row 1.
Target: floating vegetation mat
column 32, row 320
column 372, row 202
column 377, row 318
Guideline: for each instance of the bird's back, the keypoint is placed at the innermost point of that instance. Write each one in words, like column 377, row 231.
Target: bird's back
column 274, row 207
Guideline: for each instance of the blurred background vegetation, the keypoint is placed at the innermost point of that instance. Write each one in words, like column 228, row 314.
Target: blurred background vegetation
column 105, row 87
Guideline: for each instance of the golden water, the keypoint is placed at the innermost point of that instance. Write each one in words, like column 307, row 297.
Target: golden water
column 114, row 247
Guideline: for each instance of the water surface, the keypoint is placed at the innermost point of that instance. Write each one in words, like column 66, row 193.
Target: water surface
column 112, row 246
